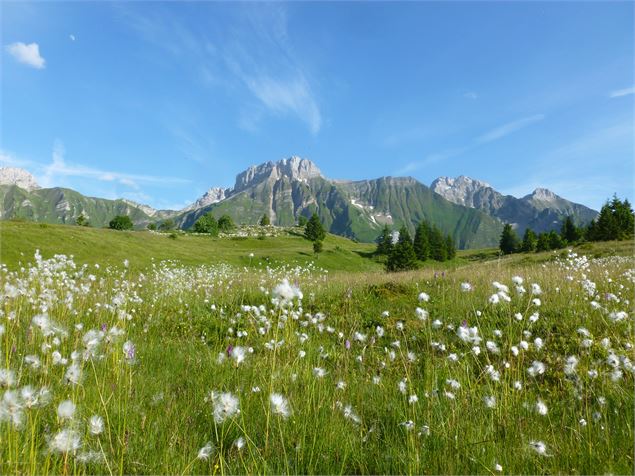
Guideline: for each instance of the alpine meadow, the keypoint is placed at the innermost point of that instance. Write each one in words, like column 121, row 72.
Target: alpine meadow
column 180, row 294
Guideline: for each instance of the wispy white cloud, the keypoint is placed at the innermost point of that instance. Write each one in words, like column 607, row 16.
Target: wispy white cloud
column 52, row 173
column 71, row 37
column 8, row 159
column 253, row 55
column 27, row 54
column 510, row 127
column 287, row 96
column 622, row 92
column 490, row 136
column 60, row 168
column 470, row 95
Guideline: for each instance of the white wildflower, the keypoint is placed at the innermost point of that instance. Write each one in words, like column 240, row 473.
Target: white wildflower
column 66, row 410
column 279, row 405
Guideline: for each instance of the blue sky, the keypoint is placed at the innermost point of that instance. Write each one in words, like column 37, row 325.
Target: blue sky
column 157, row 102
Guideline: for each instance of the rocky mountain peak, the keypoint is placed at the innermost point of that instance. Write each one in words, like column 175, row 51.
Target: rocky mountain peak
column 542, row 194
column 147, row 209
column 294, row 168
column 213, row 195
column 19, row 177
column 460, row 190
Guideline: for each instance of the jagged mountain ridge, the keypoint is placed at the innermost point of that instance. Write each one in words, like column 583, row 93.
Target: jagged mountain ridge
column 542, row 210
column 292, row 187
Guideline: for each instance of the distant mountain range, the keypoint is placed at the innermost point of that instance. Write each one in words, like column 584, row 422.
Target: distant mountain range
column 470, row 210
column 541, row 210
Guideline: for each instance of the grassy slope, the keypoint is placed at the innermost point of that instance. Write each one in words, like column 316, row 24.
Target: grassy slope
column 19, row 240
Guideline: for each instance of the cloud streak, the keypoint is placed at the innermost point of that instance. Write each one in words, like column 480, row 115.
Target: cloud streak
column 50, row 174
column 622, row 92
column 60, row 168
column 509, row 128
column 27, row 54
column 253, row 54
column 490, row 136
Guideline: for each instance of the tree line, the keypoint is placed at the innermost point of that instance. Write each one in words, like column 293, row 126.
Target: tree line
column 405, row 253
column 616, row 221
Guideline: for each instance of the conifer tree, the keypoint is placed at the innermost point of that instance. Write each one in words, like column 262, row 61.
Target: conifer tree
column 606, row 227
column 569, row 232
column 623, row 213
column 543, row 243
column 438, row 251
column 509, row 240
column 422, row 241
column 265, row 221
column 450, row 247
column 384, row 242
column 403, row 255
column 314, row 230
column 555, row 240
column 530, row 240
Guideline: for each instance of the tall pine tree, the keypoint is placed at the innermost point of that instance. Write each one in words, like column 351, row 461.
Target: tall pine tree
column 314, row 230
column 422, row 241
column 530, row 240
column 384, row 242
column 403, row 255
column 569, row 232
column 509, row 240
column 438, row 251
column 450, row 247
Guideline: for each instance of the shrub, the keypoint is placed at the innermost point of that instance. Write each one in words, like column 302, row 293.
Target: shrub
column 121, row 222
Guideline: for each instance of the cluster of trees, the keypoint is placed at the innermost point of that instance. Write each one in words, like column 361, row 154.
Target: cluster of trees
column 208, row 224
column 510, row 243
column 429, row 243
column 616, row 221
column 314, row 231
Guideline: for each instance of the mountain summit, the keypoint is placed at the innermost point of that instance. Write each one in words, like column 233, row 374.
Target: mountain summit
column 18, row 177
column 293, row 168
column 541, row 210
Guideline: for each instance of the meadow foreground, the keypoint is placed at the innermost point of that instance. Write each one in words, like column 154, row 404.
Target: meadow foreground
column 488, row 368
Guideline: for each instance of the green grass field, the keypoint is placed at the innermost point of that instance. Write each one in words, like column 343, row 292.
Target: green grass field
column 216, row 362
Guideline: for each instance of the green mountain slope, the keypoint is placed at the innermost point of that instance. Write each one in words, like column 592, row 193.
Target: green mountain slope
column 62, row 205
column 354, row 209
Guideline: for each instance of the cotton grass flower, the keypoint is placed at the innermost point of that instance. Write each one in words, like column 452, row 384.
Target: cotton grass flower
column 490, row 401
column 423, row 297
column 536, row 368
column 284, row 294
column 73, row 374
column 319, row 372
column 421, row 314
column 65, row 441
column 539, row 447
column 96, row 425
column 7, row 378
column 66, row 410
column 226, row 406
column 541, row 408
column 279, row 405
column 205, row 452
